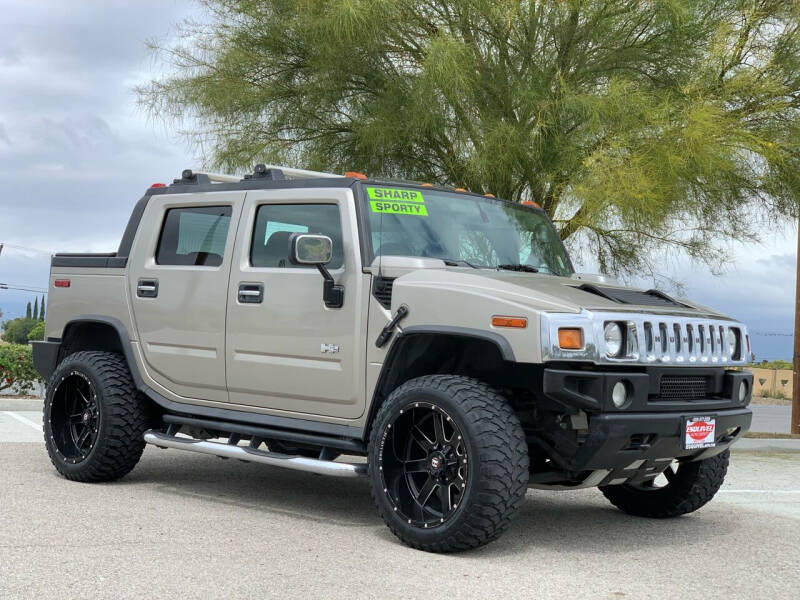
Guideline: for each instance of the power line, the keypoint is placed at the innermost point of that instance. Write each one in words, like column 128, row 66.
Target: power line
column 771, row 333
column 22, row 288
column 25, row 248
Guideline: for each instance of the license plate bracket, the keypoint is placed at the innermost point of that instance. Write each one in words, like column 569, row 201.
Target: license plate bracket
column 699, row 432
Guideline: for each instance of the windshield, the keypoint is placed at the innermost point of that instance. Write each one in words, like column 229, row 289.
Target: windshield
column 459, row 227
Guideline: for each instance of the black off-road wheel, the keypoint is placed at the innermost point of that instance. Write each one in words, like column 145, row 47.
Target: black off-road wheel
column 681, row 489
column 448, row 463
column 94, row 419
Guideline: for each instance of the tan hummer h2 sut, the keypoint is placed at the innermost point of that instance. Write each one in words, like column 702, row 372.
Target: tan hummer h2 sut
column 304, row 320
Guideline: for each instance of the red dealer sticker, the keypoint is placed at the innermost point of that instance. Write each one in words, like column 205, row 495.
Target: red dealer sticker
column 700, row 432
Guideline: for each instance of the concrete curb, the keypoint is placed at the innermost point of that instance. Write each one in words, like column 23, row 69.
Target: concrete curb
column 34, row 404
column 766, row 445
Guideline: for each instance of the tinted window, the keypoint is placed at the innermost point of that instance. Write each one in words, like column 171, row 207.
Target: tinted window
column 276, row 222
column 194, row 236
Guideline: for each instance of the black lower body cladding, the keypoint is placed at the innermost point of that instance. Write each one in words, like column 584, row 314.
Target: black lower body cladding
column 45, row 357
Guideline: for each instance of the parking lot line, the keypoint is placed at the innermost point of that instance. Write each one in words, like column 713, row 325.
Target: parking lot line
column 25, row 420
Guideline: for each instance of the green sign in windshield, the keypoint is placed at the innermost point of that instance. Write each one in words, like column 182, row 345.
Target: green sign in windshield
column 397, row 202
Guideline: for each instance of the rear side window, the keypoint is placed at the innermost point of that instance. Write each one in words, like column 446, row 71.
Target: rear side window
column 276, row 222
column 194, row 236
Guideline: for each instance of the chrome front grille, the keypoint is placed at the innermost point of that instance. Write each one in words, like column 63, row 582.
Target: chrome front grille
column 688, row 341
column 651, row 339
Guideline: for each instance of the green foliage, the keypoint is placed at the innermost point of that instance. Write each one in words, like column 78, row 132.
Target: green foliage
column 41, row 309
column 16, row 368
column 36, row 309
column 28, row 314
column 16, row 331
column 639, row 126
column 780, row 395
column 775, row 364
column 37, row 333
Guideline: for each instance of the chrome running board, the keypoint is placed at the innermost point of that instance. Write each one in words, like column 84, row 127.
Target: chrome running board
column 287, row 461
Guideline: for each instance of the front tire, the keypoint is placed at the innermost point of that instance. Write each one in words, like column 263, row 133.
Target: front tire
column 94, row 419
column 690, row 486
column 448, row 463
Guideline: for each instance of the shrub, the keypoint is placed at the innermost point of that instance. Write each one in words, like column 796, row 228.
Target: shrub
column 775, row 364
column 16, row 368
column 17, row 330
column 37, row 333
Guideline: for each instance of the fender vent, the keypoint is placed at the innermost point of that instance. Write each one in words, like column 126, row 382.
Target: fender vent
column 382, row 290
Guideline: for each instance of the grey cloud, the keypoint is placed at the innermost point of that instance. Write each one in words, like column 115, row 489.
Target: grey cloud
column 10, row 55
column 4, row 135
column 784, row 261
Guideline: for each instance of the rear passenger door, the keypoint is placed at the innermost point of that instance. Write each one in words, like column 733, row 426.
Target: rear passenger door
column 178, row 278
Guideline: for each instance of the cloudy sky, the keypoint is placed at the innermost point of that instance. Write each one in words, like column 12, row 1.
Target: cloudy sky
column 76, row 153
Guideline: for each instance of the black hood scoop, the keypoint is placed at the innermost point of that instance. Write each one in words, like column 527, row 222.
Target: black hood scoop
column 623, row 296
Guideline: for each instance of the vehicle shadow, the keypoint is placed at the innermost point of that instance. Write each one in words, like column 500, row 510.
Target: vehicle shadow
column 577, row 521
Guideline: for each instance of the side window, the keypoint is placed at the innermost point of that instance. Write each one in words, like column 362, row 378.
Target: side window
column 194, row 236
column 276, row 222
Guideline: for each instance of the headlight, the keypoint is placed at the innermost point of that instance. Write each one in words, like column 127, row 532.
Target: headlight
column 613, row 337
column 733, row 335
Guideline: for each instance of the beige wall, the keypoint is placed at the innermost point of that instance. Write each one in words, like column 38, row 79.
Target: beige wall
column 774, row 381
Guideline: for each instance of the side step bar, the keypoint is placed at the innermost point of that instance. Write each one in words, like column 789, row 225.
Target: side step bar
column 298, row 463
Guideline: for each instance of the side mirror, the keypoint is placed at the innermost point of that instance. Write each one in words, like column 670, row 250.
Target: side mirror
column 317, row 250
column 310, row 249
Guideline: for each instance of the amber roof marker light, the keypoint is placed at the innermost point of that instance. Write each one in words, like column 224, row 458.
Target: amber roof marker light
column 513, row 322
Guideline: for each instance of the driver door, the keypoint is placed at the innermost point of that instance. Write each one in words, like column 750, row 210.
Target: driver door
column 285, row 350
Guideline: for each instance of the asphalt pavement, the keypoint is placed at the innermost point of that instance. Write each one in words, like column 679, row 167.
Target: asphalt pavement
column 190, row 526
column 768, row 418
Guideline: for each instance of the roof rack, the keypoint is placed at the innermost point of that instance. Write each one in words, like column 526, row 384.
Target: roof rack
column 288, row 173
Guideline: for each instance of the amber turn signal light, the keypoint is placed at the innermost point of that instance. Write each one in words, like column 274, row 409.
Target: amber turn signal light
column 570, row 339
column 517, row 322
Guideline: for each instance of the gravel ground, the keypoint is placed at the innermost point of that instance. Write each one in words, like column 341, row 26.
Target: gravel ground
column 198, row 527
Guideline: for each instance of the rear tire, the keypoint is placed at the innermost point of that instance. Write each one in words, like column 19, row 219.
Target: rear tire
column 94, row 419
column 692, row 486
column 448, row 463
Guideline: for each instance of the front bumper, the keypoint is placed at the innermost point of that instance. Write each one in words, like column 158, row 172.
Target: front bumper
column 632, row 443
column 591, row 390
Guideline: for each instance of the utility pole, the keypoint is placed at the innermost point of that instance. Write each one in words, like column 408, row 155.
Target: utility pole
column 795, row 428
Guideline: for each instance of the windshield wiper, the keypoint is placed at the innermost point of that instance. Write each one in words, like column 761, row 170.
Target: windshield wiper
column 523, row 268
column 451, row 262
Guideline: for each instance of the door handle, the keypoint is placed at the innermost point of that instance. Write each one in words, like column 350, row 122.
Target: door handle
column 147, row 288
column 251, row 293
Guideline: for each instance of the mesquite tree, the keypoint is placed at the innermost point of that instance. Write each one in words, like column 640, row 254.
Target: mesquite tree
column 640, row 126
